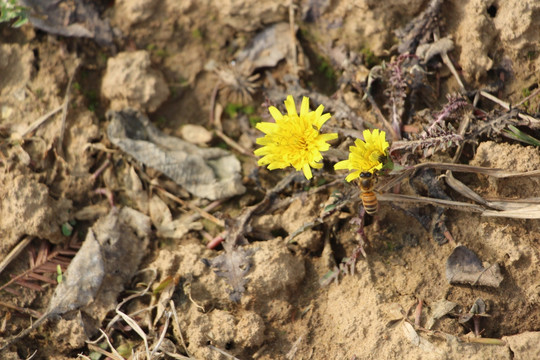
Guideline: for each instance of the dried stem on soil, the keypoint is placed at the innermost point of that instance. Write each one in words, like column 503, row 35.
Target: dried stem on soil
column 59, row 148
column 40, row 121
column 530, row 121
column 15, row 252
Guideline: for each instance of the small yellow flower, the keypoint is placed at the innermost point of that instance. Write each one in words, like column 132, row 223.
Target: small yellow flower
column 294, row 140
column 365, row 156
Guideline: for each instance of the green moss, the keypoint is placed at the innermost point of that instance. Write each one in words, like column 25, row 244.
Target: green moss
column 524, row 93
column 253, row 120
column 161, row 122
column 326, row 69
column 223, row 145
column 369, row 57
column 197, row 34
column 161, row 53
column 232, row 110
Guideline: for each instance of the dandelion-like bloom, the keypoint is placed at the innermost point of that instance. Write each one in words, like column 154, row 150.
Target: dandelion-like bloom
column 294, row 140
column 365, row 156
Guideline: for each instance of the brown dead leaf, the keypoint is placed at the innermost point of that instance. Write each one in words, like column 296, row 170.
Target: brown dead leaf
column 464, row 267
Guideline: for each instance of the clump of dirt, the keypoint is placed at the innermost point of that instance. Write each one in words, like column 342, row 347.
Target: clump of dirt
column 129, row 81
column 29, row 200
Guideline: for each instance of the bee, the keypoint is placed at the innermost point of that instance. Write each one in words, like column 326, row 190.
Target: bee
column 369, row 199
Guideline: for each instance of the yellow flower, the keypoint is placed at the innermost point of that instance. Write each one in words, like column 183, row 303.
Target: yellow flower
column 294, row 140
column 365, row 156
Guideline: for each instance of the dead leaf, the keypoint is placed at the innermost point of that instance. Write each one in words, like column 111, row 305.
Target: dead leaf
column 135, row 191
column 165, row 225
column 267, row 47
column 438, row 310
column 108, row 258
column 82, row 279
column 428, row 51
column 233, row 264
column 417, row 340
column 77, row 18
column 419, row 29
column 410, row 333
column 210, row 173
column 464, row 267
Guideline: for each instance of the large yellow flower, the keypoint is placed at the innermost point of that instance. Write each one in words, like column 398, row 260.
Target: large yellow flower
column 294, row 140
column 365, row 156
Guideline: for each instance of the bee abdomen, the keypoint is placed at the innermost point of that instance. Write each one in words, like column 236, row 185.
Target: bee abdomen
column 371, row 205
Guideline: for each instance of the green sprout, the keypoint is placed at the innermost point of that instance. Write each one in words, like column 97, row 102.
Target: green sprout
column 67, row 229
column 514, row 133
column 59, row 276
column 9, row 10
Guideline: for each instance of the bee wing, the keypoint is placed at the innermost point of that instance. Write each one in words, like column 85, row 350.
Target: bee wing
column 391, row 181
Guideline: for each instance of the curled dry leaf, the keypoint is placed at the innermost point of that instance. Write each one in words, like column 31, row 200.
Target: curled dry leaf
column 165, row 225
column 438, row 310
column 210, row 173
column 106, row 261
column 267, row 47
column 233, row 264
column 417, row 340
column 464, row 267
column 428, row 51
column 75, row 18
column 108, row 258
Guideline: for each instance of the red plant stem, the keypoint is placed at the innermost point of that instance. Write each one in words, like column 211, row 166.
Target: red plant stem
column 217, row 240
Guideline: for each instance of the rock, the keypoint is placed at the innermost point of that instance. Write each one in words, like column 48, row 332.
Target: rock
column 276, row 272
column 130, row 12
column 16, row 68
column 525, row 345
column 218, row 327
column 129, row 81
column 28, row 209
column 310, row 240
column 69, row 333
column 196, row 134
column 250, row 330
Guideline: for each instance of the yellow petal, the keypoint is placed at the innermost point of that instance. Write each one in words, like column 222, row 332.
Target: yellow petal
column 307, row 171
column 342, row 165
column 262, row 151
column 276, row 114
column 367, row 136
column 353, row 176
column 304, row 108
column 327, row 137
column 266, row 127
column 321, row 120
column 319, row 111
column 290, row 106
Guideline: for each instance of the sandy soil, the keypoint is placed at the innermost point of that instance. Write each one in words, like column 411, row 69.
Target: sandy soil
column 68, row 182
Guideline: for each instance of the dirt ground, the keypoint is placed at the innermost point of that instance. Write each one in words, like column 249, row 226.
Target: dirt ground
column 126, row 151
